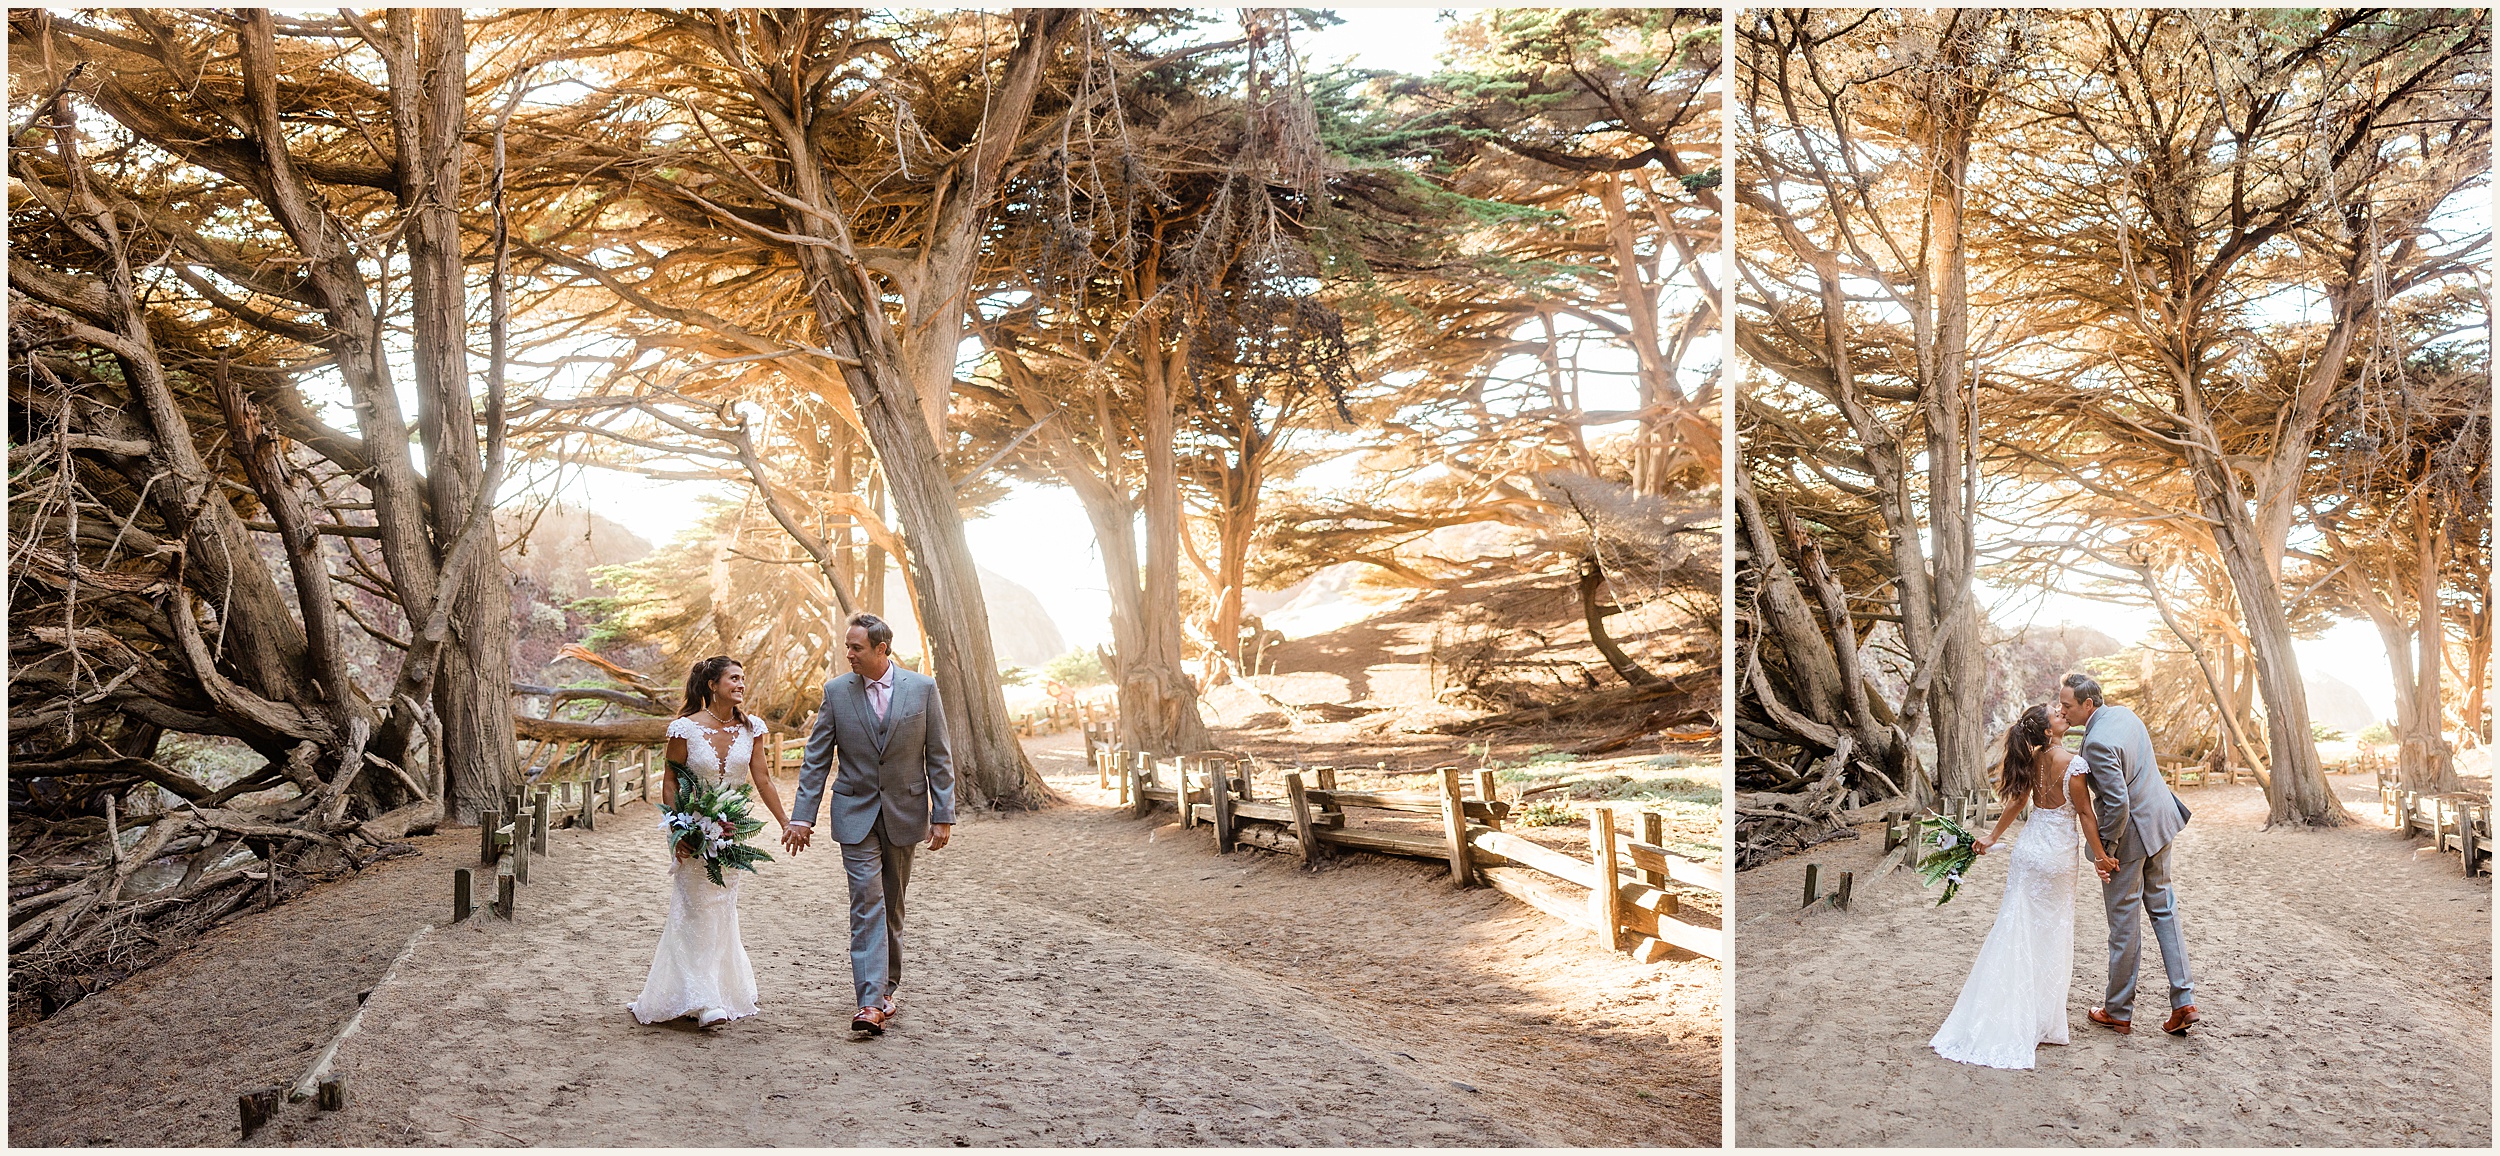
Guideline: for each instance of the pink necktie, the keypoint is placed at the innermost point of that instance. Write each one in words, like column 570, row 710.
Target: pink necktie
column 877, row 693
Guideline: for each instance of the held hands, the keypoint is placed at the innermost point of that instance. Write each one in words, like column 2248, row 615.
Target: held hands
column 794, row 837
column 939, row 834
column 2107, row 865
column 1981, row 847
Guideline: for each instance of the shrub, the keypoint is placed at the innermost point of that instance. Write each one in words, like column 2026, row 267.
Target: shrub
column 1545, row 814
column 1078, row 669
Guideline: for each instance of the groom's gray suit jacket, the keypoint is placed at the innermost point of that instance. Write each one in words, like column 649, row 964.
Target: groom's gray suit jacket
column 2138, row 815
column 897, row 768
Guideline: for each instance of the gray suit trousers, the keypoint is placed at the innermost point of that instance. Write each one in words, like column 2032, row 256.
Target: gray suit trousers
column 2141, row 887
column 879, row 871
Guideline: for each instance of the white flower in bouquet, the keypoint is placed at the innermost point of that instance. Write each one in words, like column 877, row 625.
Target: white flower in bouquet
column 1945, row 841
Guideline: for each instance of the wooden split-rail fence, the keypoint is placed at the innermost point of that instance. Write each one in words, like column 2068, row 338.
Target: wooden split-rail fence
column 1309, row 818
column 571, row 790
column 1060, row 716
column 2457, row 821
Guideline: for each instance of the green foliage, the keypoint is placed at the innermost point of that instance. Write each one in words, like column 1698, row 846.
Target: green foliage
column 2377, row 734
column 1546, row 814
column 1010, row 674
column 1078, row 669
column 698, row 802
column 2321, row 732
column 1956, row 850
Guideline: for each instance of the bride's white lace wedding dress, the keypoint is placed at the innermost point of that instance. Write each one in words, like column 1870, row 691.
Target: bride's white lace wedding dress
column 2015, row 999
column 701, row 966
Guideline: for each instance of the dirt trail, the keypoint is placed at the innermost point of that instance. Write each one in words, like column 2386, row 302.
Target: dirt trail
column 2344, row 980
column 1074, row 977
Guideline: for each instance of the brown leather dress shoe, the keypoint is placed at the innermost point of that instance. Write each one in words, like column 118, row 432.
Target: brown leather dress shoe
column 2181, row 1020
column 2122, row 1027
column 870, row 1020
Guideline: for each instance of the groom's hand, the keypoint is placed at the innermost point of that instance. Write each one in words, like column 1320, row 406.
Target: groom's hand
column 939, row 833
column 794, row 836
column 2107, row 866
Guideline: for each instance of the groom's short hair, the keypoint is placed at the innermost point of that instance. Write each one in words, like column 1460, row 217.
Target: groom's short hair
column 2086, row 687
column 879, row 634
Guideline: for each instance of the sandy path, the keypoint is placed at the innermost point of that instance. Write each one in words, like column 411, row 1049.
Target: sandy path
column 159, row 1057
column 1074, row 978
column 2345, row 984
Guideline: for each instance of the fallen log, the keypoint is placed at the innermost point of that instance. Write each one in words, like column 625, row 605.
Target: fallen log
column 1681, row 703
column 648, row 731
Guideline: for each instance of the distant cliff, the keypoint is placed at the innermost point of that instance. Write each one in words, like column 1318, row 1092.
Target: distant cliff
column 1021, row 632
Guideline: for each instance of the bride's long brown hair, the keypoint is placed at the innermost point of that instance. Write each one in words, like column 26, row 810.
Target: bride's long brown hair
column 2026, row 753
column 699, row 686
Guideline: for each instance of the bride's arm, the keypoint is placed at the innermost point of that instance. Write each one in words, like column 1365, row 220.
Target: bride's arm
column 2013, row 810
column 673, row 760
column 765, row 788
column 2079, row 797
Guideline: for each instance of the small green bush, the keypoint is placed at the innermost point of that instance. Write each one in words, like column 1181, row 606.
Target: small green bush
column 1545, row 814
column 1078, row 669
column 2378, row 734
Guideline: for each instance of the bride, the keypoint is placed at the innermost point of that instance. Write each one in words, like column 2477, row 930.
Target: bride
column 700, row 968
column 2015, row 999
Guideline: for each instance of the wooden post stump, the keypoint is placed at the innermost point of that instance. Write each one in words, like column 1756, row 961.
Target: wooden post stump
column 487, row 821
column 1814, row 884
column 520, row 845
column 1454, row 830
column 258, row 1107
column 1327, row 778
column 463, row 894
column 1840, row 898
column 538, row 822
column 503, row 896
column 1139, row 806
column 1606, row 899
column 330, row 1095
column 589, row 807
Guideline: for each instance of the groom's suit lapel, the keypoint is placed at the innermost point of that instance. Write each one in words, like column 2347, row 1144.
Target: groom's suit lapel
column 867, row 715
column 893, row 710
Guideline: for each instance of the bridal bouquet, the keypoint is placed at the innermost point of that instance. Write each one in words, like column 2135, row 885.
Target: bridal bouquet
column 1955, row 850
column 710, row 824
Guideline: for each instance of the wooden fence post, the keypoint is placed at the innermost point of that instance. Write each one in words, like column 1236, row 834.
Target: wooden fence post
column 463, row 893
column 1654, row 833
column 1840, row 898
column 1606, row 901
column 486, row 824
column 538, row 822
column 1490, row 792
column 520, row 842
column 1454, row 827
column 1814, row 884
column 1302, row 832
column 1220, row 794
column 503, row 896
column 1146, row 768
column 590, row 806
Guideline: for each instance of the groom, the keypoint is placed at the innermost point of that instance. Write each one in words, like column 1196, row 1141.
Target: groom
column 2138, row 817
column 884, row 727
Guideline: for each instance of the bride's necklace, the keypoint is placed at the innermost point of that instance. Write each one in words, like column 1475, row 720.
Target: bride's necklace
column 712, row 722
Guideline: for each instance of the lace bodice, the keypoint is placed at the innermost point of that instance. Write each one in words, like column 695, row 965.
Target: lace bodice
column 705, row 754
